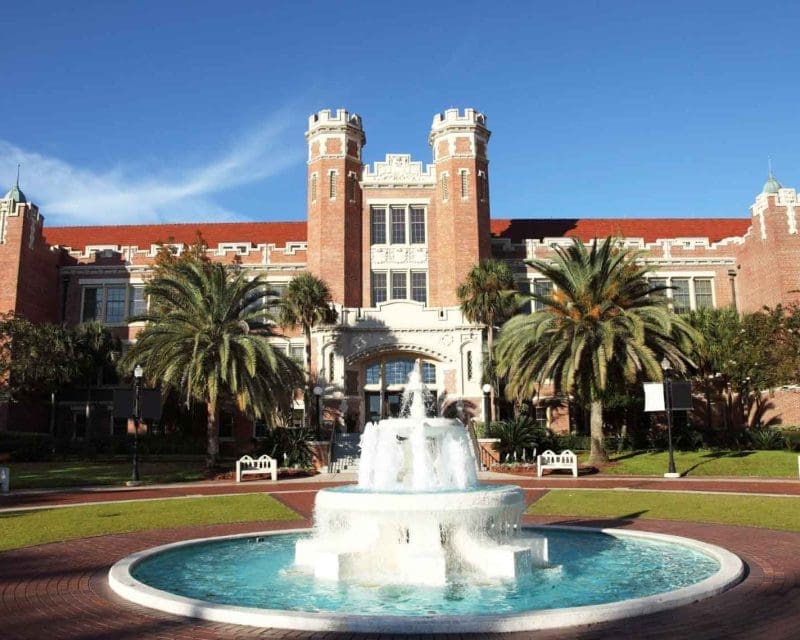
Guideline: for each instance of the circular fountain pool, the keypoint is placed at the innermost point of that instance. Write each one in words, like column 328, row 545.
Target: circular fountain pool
column 594, row 575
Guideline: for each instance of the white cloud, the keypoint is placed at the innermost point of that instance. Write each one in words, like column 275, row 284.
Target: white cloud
column 72, row 195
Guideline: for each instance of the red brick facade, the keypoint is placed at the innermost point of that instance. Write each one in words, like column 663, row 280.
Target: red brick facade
column 747, row 262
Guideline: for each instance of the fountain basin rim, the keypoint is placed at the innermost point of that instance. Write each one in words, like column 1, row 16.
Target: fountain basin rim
column 730, row 573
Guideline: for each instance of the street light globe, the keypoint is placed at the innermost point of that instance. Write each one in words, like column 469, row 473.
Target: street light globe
column 665, row 364
column 486, row 388
column 317, row 391
column 138, row 371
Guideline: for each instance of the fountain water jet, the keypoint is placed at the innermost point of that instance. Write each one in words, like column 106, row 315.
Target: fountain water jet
column 418, row 514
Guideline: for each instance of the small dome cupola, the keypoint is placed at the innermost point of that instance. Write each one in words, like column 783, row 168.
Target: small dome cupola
column 15, row 193
column 772, row 185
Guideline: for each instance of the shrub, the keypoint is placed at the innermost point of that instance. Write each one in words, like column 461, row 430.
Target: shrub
column 519, row 438
column 26, row 447
column 289, row 446
column 574, row 442
column 766, row 439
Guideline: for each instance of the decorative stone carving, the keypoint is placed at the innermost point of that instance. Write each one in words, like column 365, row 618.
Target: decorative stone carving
column 399, row 169
column 400, row 256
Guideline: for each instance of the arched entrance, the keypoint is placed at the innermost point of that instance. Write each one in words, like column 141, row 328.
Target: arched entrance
column 385, row 377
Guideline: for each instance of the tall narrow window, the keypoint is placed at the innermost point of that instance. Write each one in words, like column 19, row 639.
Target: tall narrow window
column 417, row 215
column 351, row 188
column 469, row 365
column 331, row 363
column 399, row 285
column 313, row 187
column 464, row 185
column 378, row 225
column 398, row 225
column 703, row 298
column 658, row 283
column 525, row 287
column 541, row 287
column 378, row 287
column 92, row 303
column 332, row 184
column 483, row 185
column 138, row 302
column 445, row 187
column 680, row 295
column 115, row 304
column 419, row 287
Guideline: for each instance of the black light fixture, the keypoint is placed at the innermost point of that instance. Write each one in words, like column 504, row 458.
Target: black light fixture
column 318, row 392
column 486, row 388
column 665, row 365
column 137, row 419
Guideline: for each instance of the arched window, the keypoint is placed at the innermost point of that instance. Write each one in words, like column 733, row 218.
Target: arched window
column 396, row 371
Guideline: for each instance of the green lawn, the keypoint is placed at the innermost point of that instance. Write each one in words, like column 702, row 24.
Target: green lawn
column 754, row 511
column 26, row 528
column 41, row 475
column 755, row 464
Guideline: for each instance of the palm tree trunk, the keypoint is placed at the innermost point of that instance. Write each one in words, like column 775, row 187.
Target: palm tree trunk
column 308, row 395
column 212, row 433
column 598, row 451
column 490, row 340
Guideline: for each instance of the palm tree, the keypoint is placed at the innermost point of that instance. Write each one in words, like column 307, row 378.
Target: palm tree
column 205, row 338
column 488, row 296
column 96, row 349
column 306, row 303
column 603, row 323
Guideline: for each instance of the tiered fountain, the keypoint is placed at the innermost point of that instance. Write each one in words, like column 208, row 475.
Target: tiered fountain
column 418, row 514
column 420, row 546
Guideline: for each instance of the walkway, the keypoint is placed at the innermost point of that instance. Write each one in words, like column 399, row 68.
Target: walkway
column 59, row 590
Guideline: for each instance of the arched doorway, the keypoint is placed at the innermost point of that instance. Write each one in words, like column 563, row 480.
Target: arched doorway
column 385, row 378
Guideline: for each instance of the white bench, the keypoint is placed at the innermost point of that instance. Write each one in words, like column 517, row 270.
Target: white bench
column 564, row 460
column 263, row 464
column 5, row 479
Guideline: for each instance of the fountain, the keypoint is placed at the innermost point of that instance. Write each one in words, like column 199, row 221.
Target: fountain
column 418, row 515
column 420, row 546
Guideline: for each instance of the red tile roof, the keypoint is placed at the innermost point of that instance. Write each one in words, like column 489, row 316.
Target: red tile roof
column 142, row 236
column 515, row 229
column 651, row 229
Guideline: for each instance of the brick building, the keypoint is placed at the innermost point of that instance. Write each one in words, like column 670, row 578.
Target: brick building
column 393, row 241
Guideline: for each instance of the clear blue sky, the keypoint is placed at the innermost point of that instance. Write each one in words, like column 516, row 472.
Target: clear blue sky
column 173, row 111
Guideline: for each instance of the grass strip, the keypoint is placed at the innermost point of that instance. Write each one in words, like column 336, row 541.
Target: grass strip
column 753, row 511
column 751, row 464
column 25, row 528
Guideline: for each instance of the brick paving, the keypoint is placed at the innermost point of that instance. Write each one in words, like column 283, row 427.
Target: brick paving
column 59, row 591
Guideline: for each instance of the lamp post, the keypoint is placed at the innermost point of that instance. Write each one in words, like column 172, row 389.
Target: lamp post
column 137, row 418
column 486, row 388
column 671, row 473
column 318, row 394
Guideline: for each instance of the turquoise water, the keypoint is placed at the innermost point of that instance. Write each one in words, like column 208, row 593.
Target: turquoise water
column 594, row 568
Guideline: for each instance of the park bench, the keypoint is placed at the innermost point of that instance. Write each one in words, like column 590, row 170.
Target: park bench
column 5, row 479
column 260, row 466
column 564, row 460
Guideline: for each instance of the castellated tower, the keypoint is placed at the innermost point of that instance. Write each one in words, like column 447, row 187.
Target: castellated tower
column 334, row 202
column 460, row 234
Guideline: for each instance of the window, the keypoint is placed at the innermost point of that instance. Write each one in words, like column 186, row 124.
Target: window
column 332, row 175
column 225, row 425
column 297, row 352
column 351, row 188
column 259, row 428
column 417, row 215
column 378, row 225
column 115, row 304
column 524, row 287
column 541, row 287
column 469, row 365
column 331, row 368
column 138, row 302
column 397, row 371
column 272, row 299
column 703, row 297
column 483, row 184
column 445, row 187
column 378, row 287
column 374, row 374
column 92, row 303
column 398, row 225
column 464, row 185
column 399, row 285
column 428, row 373
column 419, row 287
column 658, row 282
column 313, row 187
column 680, row 295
